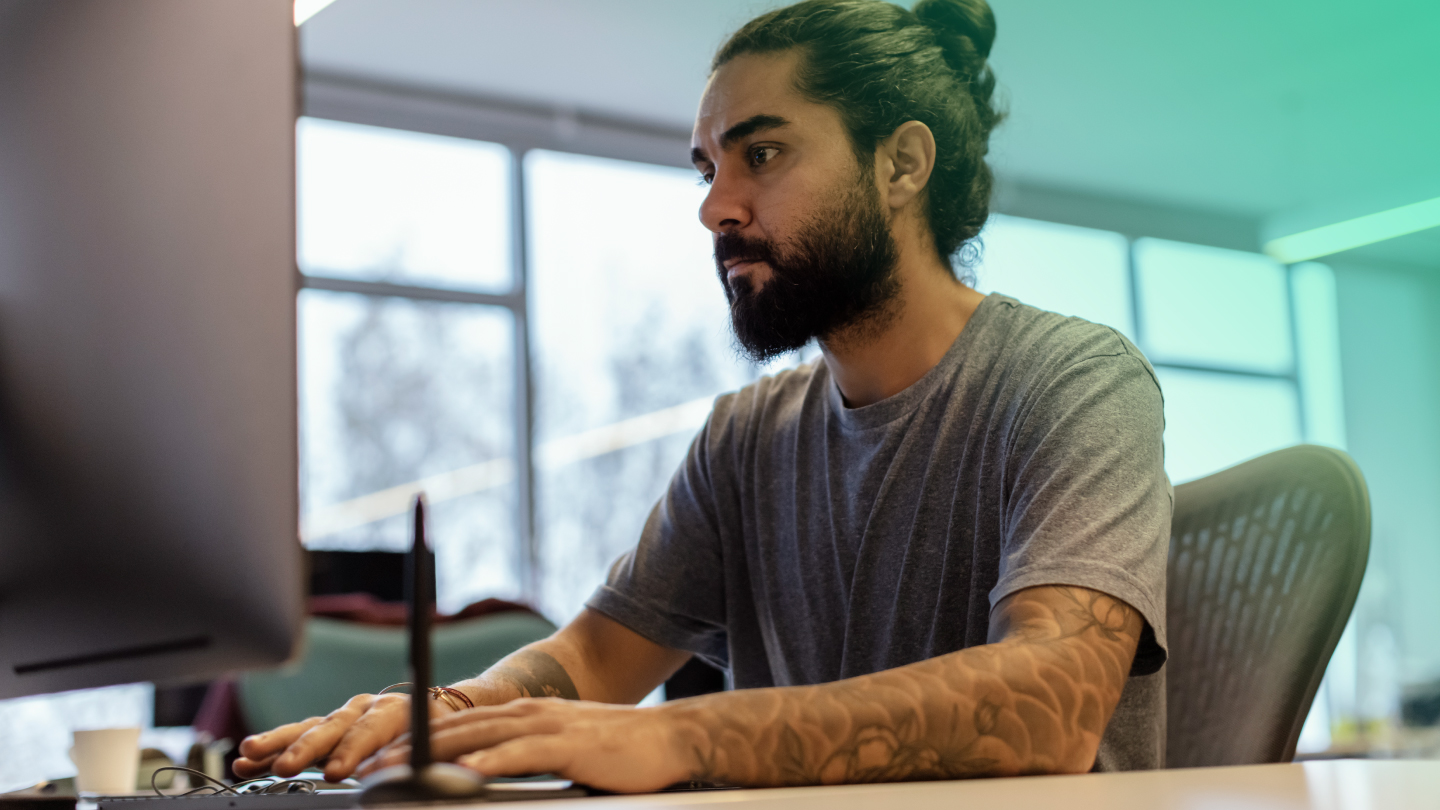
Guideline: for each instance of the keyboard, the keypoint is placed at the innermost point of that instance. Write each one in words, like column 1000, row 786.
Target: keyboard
column 327, row 799
column 319, row 800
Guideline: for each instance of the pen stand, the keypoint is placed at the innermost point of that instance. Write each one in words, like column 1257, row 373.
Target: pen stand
column 422, row 780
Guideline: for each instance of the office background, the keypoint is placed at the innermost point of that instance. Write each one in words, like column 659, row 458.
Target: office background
column 510, row 304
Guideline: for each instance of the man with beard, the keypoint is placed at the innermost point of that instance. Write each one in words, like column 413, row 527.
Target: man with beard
column 936, row 552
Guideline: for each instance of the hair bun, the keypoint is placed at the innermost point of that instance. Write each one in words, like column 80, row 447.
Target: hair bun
column 971, row 19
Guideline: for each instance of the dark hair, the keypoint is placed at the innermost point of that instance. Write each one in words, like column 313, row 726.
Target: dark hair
column 880, row 66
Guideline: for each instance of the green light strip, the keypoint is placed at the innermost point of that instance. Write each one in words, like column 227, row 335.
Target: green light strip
column 1354, row 233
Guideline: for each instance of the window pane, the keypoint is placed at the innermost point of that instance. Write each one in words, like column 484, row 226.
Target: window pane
column 1210, row 306
column 631, row 344
column 1215, row 420
column 1317, row 332
column 399, row 396
column 1073, row 271
column 387, row 205
column 35, row 731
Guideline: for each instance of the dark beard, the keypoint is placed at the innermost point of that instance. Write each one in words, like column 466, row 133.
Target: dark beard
column 836, row 273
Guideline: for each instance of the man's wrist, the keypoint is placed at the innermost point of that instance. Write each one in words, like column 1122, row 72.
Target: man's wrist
column 689, row 740
column 480, row 693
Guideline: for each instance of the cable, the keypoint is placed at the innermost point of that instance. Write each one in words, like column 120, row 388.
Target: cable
column 263, row 784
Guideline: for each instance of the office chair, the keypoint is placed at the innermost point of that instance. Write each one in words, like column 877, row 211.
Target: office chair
column 1266, row 559
column 343, row 659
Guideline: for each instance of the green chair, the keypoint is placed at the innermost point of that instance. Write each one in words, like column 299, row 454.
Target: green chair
column 343, row 659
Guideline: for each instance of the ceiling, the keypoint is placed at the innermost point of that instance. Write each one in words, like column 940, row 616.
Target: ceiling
column 1295, row 113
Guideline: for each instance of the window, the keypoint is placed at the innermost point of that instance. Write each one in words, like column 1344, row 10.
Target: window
column 1062, row 268
column 37, row 728
column 1214, row 419
column 409, row 355
column 399, row 395
column 407, row 373
column 390, row 205
column 1213, row 308
column 631, row 345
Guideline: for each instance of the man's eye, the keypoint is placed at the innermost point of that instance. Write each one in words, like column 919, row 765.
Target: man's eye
column 704, row 179
column 761, row 155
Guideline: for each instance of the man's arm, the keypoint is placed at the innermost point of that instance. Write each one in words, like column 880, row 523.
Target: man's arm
column 592, row 658
column 1035, row 701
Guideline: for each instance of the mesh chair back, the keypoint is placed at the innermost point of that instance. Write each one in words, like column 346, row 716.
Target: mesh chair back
column 1266, row 558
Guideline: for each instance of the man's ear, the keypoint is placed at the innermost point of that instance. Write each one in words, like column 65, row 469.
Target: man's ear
column 904, row 162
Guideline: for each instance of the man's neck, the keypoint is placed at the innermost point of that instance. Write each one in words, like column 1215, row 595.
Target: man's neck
column 880, row 358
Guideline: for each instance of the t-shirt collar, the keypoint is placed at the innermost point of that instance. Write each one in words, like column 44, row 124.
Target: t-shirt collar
column 902, row 404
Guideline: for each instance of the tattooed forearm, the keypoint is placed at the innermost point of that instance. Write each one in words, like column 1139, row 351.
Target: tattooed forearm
column 535, row 674
column 1036, row 701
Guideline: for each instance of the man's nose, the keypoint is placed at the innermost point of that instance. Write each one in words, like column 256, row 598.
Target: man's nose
column 724, row 208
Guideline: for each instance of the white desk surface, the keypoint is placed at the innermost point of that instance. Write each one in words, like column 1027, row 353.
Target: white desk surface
column 1329, row 785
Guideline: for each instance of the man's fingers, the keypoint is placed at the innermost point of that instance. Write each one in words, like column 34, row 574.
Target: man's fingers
column 548, row 753
column 453, row 742
column 394, row 754
column 320, row 739
column 247, row 768
column 477, row 734
column 266, row 746
column 386, row 719
column 515, row 708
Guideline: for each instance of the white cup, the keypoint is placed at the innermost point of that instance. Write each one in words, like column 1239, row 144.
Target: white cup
column 107, row 759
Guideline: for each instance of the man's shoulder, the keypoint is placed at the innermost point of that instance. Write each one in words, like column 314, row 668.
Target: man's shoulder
column 1038, row 343
column 773, row 396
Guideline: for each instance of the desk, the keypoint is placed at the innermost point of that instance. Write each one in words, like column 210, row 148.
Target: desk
column 1330, row 785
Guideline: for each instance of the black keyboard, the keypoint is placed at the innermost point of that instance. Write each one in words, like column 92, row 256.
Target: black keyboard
column 326, row 799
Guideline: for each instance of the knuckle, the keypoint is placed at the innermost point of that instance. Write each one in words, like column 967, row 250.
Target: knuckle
column 361, row 702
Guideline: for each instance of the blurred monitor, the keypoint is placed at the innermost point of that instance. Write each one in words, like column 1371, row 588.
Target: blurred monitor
column 148, row 492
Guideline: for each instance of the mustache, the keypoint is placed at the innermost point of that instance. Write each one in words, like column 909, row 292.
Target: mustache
column 730, row 245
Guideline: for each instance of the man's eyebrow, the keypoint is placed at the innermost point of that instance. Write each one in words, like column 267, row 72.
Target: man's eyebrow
column 750, row 126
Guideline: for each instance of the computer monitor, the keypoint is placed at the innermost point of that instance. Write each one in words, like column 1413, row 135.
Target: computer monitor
column 148, row 480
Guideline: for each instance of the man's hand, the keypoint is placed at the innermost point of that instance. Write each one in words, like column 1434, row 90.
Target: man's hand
column 343, row 739
column 618, row 748
column 593, row 657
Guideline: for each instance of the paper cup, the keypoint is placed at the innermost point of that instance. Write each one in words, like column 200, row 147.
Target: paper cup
column 107, row 760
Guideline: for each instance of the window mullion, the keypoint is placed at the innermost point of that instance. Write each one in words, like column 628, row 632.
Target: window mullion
column 528, row 557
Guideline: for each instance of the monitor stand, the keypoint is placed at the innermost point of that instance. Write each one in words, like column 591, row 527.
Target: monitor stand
column 422, row 780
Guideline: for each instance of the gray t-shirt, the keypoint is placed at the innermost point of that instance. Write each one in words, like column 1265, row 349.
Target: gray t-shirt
column 802, row 541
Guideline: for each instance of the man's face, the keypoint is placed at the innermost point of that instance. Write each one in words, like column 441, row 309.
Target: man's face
column 802, row 243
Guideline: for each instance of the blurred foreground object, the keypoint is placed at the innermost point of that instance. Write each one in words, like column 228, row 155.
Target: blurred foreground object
column 148, row 492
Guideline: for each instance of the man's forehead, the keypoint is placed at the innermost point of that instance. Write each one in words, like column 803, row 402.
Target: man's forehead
column 743, row 88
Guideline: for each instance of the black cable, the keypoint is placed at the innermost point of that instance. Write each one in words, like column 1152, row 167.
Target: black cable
column 271, row 784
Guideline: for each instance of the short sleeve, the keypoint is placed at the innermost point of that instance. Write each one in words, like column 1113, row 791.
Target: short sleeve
column 670, row 588
column 1088, row 503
